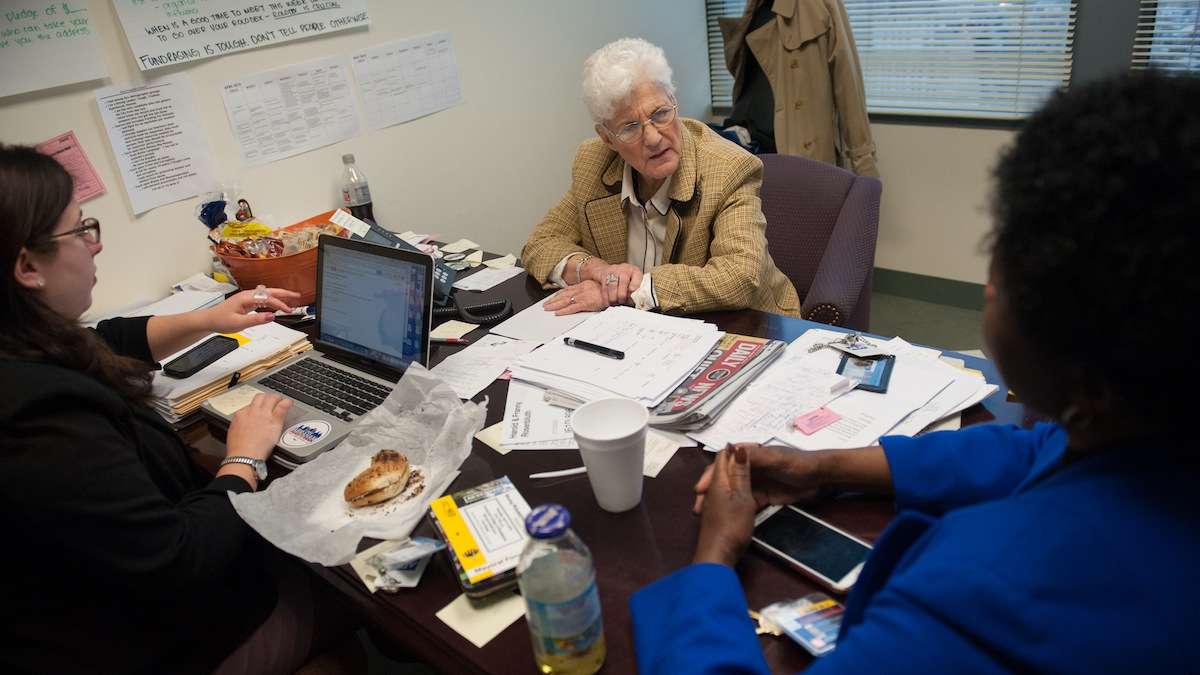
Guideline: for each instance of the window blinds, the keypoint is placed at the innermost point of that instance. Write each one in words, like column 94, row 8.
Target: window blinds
column 718, row 75
column 1168, row 36
column 957, row 58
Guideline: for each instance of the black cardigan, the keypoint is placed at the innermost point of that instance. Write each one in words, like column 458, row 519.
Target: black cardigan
column 123, row 555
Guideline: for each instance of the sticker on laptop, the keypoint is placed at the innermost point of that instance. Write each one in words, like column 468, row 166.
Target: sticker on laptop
column 304, row 434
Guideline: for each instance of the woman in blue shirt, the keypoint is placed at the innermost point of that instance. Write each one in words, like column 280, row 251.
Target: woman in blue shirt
column 1068, row 547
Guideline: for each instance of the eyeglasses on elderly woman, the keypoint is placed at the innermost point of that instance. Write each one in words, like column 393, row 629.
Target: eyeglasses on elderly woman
column 632, row 131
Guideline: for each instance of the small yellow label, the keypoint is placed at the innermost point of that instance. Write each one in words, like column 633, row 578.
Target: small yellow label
column 242, row 340
column 459, row 536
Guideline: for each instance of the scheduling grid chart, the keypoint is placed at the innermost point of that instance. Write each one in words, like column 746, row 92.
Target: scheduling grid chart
column 407, row 79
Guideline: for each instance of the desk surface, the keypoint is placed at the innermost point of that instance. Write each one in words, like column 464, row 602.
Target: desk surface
column 631, row 549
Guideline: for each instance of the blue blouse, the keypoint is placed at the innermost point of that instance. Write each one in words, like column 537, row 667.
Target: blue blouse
column 1003, row 558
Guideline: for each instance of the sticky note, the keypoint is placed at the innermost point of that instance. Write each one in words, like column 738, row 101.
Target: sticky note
column 233, row 400
column 452, row 330
column 812, row 422
column 490, row 436
column 481, row 620
column 501, row 263
column 459, row 246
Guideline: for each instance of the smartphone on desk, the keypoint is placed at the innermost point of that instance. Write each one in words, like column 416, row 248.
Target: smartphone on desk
column 829, row 556
column 191, row 361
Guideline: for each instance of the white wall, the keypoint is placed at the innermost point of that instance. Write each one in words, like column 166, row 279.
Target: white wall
column 487, row 170
column 934, row 212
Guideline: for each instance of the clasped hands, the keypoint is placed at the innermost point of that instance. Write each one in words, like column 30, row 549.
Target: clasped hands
column 603, row 285
column 745, row 478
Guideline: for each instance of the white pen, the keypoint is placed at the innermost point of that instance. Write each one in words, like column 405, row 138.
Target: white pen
column 558, row 474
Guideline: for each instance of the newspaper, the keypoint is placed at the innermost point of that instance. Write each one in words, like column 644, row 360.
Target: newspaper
column 715, row 381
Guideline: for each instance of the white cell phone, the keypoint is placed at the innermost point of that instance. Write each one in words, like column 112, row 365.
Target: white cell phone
column 829, row 556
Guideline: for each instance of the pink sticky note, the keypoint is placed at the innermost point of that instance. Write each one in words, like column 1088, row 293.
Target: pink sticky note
column 506, row 375
column 812, row 422
column 66, row 149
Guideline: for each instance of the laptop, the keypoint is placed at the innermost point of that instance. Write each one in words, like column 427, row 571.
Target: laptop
column 374, row 306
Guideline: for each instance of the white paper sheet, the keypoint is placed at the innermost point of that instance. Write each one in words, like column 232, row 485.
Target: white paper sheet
column 660, row 351
column 865, row 416
column 407, row 79
column 487, row 278
column 536, row 324
column 157, row 137
column 286, row 111
column 481, row 620
column 46, row 44
column 166, row 32
column 659, row 450
column 529, row 419
column 471, row 370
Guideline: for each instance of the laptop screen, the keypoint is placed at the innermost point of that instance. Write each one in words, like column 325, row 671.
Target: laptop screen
column 373, row 305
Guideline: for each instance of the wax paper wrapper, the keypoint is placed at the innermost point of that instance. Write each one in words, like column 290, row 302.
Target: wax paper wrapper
column 305, row 512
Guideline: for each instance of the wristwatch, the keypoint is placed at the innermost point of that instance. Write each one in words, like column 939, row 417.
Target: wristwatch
column 260, row 467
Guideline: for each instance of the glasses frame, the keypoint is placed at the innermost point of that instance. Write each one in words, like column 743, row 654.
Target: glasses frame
column 88, row 225
column 641, row 124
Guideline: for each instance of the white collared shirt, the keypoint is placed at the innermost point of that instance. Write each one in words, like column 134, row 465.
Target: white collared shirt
column 647, row 229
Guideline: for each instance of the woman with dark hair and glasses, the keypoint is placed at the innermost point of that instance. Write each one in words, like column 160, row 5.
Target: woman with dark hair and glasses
column 1070, row 547
column 129, row 557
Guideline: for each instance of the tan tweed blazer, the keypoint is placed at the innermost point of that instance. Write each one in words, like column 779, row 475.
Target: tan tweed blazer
column 715, row 251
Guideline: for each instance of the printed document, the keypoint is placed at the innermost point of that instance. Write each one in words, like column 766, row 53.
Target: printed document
column 660, row 351
column 286, row 111
column 159, row 142
column 407, row 79
column 529, row 419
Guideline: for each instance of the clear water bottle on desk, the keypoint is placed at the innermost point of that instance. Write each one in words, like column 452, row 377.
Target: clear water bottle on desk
column 562, row 606
column 356, row 191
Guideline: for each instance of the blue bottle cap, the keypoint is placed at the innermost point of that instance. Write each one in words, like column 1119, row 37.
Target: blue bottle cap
column 547, row 521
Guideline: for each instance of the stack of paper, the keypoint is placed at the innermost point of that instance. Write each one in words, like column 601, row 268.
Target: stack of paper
column 259, row 348
column 660, row 351
column 923, row 392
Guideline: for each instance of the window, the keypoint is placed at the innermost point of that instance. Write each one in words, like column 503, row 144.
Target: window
column 956, row 58
column 718, row 75
column 1168, row 36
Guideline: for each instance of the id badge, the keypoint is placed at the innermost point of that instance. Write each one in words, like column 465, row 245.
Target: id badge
column 871, row 374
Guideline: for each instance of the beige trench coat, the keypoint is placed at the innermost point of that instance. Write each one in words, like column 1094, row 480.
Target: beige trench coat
column 808, row 55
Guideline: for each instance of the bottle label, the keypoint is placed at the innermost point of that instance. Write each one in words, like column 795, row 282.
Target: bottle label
column 569, row 627
column 356, row 194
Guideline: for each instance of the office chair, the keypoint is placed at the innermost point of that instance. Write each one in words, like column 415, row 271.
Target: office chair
column 822, row 223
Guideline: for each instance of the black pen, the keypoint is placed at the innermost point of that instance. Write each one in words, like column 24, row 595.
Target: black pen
column 602, row 351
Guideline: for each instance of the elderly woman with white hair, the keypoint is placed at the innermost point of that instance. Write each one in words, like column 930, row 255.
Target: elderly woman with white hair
column 662, row 212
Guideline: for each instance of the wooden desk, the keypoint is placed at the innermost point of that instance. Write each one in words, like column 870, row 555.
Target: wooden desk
column 630, row 549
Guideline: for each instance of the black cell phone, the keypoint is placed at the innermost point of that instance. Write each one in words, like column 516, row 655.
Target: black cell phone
column 200, row 356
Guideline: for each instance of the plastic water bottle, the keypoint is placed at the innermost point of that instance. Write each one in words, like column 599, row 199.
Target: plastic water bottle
column 561, row 603
column 356, row 192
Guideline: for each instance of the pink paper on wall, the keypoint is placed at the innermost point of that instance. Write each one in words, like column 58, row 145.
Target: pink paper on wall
column 66, row 149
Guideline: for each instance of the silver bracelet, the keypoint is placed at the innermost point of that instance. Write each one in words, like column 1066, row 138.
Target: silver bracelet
column 579, row 267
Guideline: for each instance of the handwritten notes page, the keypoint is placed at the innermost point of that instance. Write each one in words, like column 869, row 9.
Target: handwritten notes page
column 158, row 140
column 407, row 79
column 286, row 111
column 65, row 148
column 167, row 32
column 46, row 44
column 659, row 351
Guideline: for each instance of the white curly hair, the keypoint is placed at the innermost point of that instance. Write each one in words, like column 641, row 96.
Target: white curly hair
column 612, row 71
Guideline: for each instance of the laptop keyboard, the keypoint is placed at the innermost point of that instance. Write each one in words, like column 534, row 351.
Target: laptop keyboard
column 333, row 390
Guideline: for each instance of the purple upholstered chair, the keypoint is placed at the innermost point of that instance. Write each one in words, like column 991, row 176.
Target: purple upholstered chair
column 822, row 222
